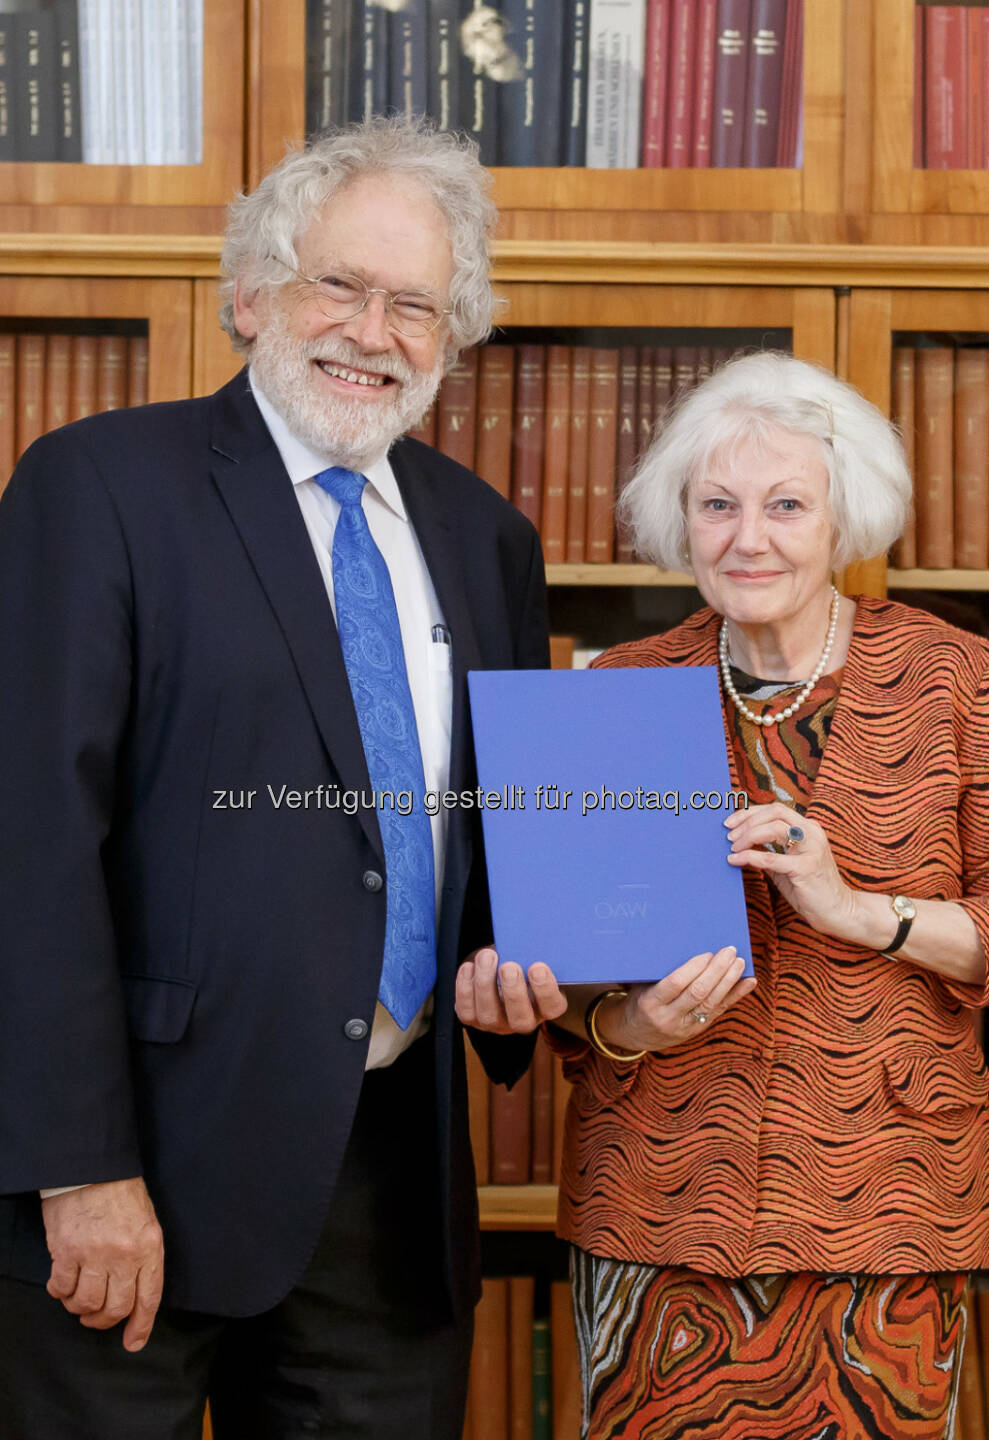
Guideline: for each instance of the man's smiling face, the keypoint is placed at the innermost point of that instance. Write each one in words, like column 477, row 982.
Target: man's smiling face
column 349, row 388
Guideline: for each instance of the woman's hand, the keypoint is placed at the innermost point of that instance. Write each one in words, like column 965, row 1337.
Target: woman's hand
column 805, row 875
column 500, row 1000
column 678, row 1007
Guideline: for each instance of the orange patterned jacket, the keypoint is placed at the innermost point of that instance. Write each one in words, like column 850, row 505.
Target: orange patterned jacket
column 836, row 1119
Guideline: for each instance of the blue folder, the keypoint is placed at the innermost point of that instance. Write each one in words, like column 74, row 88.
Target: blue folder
column 621, row 881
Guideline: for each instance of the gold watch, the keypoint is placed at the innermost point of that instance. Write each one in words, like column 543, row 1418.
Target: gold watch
column 906, row 913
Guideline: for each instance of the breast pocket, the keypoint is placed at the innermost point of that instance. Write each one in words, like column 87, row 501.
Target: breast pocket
column 933, row 1081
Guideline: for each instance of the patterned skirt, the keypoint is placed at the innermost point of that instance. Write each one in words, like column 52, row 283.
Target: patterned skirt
column 670, row 1354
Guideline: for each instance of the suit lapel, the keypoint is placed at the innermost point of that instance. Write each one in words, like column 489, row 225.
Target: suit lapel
column 257, row 492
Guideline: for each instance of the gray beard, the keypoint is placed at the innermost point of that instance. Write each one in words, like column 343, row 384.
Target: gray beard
column 348, row 431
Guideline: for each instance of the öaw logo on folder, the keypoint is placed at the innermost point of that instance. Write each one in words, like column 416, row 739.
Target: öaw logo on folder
column 609, row 862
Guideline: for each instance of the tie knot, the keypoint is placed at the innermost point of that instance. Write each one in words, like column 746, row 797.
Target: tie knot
column 346, row 486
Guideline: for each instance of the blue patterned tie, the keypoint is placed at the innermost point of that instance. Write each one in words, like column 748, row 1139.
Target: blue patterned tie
column 371, row 640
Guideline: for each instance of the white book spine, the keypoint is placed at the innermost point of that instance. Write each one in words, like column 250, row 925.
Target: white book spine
column 152, row 98
column 129, row 78
column 194, row 81
column 89, row 84
column 616, row 57
column 172, row 62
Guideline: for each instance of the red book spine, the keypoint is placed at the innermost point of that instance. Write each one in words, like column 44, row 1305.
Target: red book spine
column 662, row 382
column 602, row 452
column 137, row 370
column 945, row 145
column 111, row 372
column 904, row 368
column 680, row 106
column 493, row 447
column 478, row 1113
column 456, row 422
column 489, row 1363
column 30, row 407
column 511, row 1132
column 731, row 63
column 556, row 455
column 529, row 430
column 685, row 359
column 628, row 439
column 8, row 418
column 521, row 1313
column 646, row 404
column 934, row 401
column 657, row 62
column 707, row 21
column 542, row 1114
column 972, row 458
column 58, row 367
column 975, row 39
column 425, row 428
column 984, row 17
column 765, row 83
column 580, row 399
column 83, row 376
column 791, row 96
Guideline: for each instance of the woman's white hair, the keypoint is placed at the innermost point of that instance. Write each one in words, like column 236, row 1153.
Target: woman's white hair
column 263, row 228
column 870, row 487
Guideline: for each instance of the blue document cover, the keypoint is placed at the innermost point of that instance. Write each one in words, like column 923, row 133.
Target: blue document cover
column 603, row 795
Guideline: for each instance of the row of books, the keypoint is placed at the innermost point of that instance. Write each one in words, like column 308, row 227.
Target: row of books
column 940, row 402
column 951, row 81
column 524, row 1376
column 48, row 380
column 557, row 428
column 517, row 1134
column 107, row 82
column 608, row 84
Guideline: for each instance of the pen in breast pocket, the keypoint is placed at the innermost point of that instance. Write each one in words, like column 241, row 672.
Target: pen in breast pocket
column 441, row 635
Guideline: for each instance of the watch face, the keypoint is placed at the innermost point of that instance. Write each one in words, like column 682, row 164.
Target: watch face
column 905, row 908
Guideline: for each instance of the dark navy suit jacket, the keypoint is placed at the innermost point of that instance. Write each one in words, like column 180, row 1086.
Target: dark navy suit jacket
column 175, row 980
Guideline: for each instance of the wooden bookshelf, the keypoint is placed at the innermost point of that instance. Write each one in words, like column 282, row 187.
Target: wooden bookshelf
column 517, row 1207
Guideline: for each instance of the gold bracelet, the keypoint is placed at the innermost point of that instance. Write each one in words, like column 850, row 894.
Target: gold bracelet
column 590, row 1025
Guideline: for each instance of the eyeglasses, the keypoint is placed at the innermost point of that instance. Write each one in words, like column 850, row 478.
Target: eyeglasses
column 341, row 297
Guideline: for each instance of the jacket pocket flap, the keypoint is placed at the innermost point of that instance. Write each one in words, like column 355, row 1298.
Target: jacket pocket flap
column 158, row 1008
column 931, row 1080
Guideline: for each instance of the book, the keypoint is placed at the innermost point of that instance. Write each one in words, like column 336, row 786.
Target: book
column 934, row 386
column 561, row 1099
column 542, row 1386
column 327, row 44
column 493, row 445
column 83, row 377
column 456, row 410
column 680, row 102
column 657, row 67
column 561, row 648
column 29, row 405
column 574, row 136
column 425, row 427
column 975, row 119
column 489, row 1362
column 707, row 16
column 478, row 1101
column 731, row 65
column 945, row 75
column 444, row 62
column 662, row 382
column 485, row 59
column 8, row 397
column 627, row 447
column 971, row 449
column 580, row 402
column 68, row 99
column 646, row 400
column 367, row 82
column 556, row 455
column 684, row 368
column 528, row 430
column 154, row 118
column 137, row 370
column 8, row 147
column 546, row 76
column 521, row 1300
column 616, row 47
column 567, row 1415
column 58, row 366
column 764, row 83
column 902, row 414
column 34, row 70
column 517, row 126
column 541, row 1171
column 408, row 79
column 791, row 95
column 601, row 451
column 111, row 372
column 511, row 1132
column 624, row 834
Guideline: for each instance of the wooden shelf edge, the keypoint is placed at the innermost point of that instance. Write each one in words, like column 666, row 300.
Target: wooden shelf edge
column 517, row 1207
column 615, row 575
column 937, row 579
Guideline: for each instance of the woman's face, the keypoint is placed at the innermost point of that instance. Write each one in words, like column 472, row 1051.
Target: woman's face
column 760, row 530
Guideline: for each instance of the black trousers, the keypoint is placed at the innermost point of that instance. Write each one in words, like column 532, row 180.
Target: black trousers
column 362, row 1348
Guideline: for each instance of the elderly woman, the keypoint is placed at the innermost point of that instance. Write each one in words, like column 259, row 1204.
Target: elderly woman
column 775, row 1189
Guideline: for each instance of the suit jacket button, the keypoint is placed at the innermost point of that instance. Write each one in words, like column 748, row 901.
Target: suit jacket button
column 355, row 1029
column 372, row 880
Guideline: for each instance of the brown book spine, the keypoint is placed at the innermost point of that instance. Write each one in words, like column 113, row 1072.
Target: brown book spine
column 602, row 450
column 628, row 439
column 566, row 1367
column 111, row 373
column 58, row 375
column 489, row 1362
column 83, row 376
column 493, row 446
column 542, row 1114
column 662, row 383
column 425, row 428
column 684, row 368
column 561, row 1099
column 8, row 408
column 972, row 459
column 935, row 384
column 561, row 648
column 971, row 1406
column 521, row 1308
column 580, row 404
column 905, row 549
column 137, row 370
column 556, row 456
column 478, row 1109
column 529, row 430
column 30, row 408
column 511, row 1132
column 456, row 421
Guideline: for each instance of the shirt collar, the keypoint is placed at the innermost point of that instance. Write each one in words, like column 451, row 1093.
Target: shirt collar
column 302, row 463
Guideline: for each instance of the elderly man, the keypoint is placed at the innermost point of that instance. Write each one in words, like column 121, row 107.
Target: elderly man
column 234, row 634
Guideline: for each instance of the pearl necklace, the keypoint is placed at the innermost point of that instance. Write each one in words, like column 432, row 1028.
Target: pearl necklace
column 798, row 700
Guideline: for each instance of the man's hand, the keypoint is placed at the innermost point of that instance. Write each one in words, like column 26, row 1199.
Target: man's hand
column 107, row 1256
column 500, row 1000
